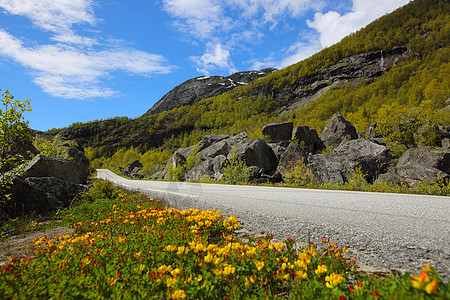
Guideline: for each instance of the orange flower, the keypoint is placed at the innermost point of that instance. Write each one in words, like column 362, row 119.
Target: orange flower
column 431, row 287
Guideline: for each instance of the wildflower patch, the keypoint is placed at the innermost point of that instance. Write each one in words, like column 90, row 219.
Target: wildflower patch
column 132, row 247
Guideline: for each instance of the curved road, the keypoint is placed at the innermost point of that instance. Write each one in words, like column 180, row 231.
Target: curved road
column 383, row 231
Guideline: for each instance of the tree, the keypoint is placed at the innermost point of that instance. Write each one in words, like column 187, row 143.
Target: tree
column 14, row 133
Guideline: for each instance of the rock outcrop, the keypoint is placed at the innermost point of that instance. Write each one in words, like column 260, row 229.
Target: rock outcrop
column 46, row 183
column 278, row 132
column 309, row 139
column 421, row 164
column 133, row 169
column 338, row 130
column 196, row 89
column 64, row 169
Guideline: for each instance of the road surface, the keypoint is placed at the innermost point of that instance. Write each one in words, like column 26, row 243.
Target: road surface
column 383, row 231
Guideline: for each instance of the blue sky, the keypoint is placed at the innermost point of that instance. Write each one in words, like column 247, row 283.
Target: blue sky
column 81, row 60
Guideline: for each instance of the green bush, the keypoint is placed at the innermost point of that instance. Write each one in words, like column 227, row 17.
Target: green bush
column 177, row 173
column 100, row 189
column 50, row 148
column 300, row 175
column 235, row 171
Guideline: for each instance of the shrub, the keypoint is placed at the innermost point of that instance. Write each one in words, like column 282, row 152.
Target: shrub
column 178, row 172
column 50, row 148
column 300, row 175
column 235, row 171
column 100, row 189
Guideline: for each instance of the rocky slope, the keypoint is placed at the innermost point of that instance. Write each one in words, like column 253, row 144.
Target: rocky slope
column 196, row 89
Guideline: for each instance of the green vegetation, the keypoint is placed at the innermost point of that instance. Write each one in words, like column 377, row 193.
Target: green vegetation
column 235, row 171
column 300, row 176
column 177, row 173
column 14, row 133
column 128, row 246
column 50, row 148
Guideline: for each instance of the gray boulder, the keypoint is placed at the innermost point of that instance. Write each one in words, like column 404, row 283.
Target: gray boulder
column 220, row 148
column 326, row 168
column 200, row 171
column 133, row 169
column 338, row 130
column 67, row 170
column 424, row 163
column 371, row 131
column 259, row 154
column 290, row 158
column 336, row 166
column 210, row 139
column 40, row 195
column 309, row 139
column 277, row 149
column 278, row 132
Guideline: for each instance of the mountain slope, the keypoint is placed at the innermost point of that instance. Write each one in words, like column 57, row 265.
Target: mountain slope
column 196, row 89
column 396, row 63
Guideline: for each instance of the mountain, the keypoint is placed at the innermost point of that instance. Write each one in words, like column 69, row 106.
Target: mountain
column 196, row 89
column 393, row 71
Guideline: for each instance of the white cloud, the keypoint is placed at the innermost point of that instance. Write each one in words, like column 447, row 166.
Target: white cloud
column 272, row 10
column 332, row 26
column 68, row 72
column 71, row 68
column 216, row 56
column 300, row 51
column 55, row 16
column 199, row 18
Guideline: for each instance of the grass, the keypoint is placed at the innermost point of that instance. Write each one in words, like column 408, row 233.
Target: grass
column 129, row 246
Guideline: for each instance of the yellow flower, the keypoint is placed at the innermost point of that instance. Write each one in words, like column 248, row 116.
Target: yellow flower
column 121, row 239
column 321, row 269
column 333, row 280
column 427, row 269
column 301, row 264
column 208, row 258
column 278, row 245
column 301, row 274
column 178, row 294
column 259, row 265
column 199, row 278
column 420, row 282
column 431, row 287
column 171, row 281
column 175, row 272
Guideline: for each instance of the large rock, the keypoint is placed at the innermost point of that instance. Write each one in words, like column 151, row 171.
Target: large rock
column 309, row 139
column 200, row 171
column 40, row 195
column 67, row 170
column 290, row 158
column 326, row 168
column 133, row 169
column 424, row 163
column 210, row 139
column 338, row 130
column 21, row 150
column 371, row 158
column 259, row 154
column 278, row 132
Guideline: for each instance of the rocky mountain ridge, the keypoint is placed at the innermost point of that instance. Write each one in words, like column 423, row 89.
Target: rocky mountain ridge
column 196, row 89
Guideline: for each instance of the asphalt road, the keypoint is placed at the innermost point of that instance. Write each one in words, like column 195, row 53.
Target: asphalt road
column 383, row 231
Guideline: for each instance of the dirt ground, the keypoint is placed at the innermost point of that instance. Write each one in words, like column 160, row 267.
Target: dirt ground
column 18, row 245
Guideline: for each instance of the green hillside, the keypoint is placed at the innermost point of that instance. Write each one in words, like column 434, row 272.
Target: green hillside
column 414, row 88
